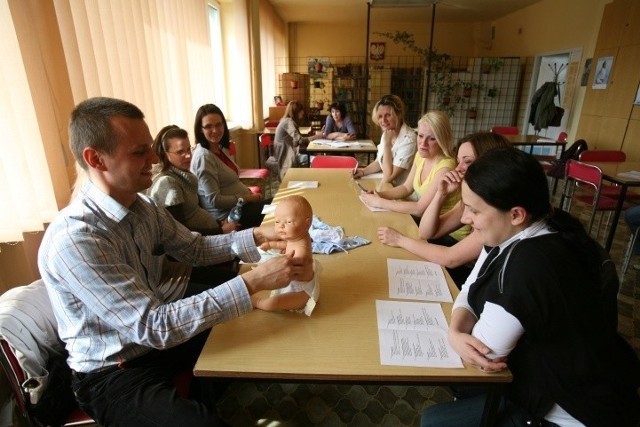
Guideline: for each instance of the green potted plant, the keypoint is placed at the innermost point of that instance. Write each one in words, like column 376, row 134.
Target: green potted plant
column 492, row 92
column 472, row 113
column 467, row 87
column 488, row 65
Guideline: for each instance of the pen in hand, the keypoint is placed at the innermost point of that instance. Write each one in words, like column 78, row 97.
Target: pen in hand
column 362, row 188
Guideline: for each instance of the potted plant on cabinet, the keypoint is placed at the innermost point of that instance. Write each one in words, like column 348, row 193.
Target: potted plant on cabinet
column 472, row 113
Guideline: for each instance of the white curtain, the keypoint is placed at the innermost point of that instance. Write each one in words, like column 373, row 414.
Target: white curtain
column 26, row 188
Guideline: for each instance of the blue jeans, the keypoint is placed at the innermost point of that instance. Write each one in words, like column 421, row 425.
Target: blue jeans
column 467, row 412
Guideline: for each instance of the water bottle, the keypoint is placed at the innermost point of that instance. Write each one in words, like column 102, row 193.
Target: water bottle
column 236, row 211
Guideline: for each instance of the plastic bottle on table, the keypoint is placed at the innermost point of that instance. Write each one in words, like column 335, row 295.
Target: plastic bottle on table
column 236, row 212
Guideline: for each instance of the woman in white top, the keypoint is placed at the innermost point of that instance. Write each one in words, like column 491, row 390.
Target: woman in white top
column 397, row 146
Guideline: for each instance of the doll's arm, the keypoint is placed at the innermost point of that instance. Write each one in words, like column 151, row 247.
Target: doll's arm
column 274, row 244
column 287, row 301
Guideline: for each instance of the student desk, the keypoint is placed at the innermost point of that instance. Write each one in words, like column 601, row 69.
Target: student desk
column 339, row 341
column 365, row 146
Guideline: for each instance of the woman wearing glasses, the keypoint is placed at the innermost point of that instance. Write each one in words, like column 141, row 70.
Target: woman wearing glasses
column 219, row 187
column 397, row 146
column 176, row 188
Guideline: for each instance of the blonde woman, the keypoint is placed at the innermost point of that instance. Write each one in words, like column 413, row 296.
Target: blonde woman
column 397, row 146
column 445, row 236
column 432, row 161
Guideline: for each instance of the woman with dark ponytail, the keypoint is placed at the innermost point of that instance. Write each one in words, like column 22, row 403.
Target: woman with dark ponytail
column 541, row 301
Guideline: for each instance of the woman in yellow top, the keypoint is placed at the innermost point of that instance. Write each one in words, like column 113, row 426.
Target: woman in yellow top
column 439, row 229
column 432, row 161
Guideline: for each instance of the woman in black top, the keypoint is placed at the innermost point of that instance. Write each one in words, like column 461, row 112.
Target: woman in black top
column 542, row 301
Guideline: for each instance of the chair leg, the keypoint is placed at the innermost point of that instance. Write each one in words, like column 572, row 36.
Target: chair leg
column 626, row 259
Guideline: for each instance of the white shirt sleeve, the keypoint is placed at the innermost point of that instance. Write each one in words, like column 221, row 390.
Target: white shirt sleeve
column 497, row 329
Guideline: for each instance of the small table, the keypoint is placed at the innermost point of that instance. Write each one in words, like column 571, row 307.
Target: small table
column 536, row 141
column 339, row 341
column 611, row 172
column 359, row 146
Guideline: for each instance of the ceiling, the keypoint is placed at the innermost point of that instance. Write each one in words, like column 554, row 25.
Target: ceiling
column 355, row 11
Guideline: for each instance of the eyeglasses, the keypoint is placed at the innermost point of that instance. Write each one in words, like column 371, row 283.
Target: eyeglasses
column 181, row 153
column 211, row 126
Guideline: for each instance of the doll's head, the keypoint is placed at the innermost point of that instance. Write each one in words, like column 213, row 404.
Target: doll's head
column 293, row 217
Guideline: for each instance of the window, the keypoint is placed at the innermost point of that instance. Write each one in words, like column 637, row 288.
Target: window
column 217, row 53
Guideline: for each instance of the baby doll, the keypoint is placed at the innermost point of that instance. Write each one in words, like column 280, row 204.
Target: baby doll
column 293, row 216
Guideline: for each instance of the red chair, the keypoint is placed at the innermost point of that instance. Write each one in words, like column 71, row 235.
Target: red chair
column 505, row 130
column 258, row 180
column 345, row 162
column 608, row 156
column 603, row 156
column 558, row 167
column 584, row 185
column 562, row 137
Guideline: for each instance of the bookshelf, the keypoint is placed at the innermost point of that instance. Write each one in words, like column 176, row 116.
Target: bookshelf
column 349, row 88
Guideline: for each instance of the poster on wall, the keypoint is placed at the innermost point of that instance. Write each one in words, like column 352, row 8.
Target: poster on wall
column 637, row 100
column 603, row 70
column 317, row 67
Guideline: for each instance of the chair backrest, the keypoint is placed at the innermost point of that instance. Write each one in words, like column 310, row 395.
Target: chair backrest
column 562, row 137
column 345, row 162
column 232, row 149
column 584, row 173
column 603, row 156
column 505, row 130
column 34, row 358
column 265, row 140
column 558, row 168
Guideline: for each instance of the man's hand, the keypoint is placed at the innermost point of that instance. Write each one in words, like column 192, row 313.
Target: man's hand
column 264, row 233
column 275, row 273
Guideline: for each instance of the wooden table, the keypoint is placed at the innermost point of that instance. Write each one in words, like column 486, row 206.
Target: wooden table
column 536, row 141
column 611, row 172
column 364, row 146
column 339, row 341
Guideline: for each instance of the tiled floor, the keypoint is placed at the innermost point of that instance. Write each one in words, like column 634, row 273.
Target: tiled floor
column 276, row 404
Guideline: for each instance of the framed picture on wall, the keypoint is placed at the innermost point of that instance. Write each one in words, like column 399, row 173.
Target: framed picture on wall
column 602, row 72
column 376, row 51
column 637, row 100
